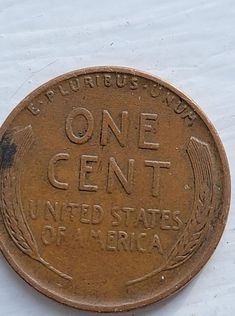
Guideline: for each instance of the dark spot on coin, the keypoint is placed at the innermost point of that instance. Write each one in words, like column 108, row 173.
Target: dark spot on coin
column 7, row 150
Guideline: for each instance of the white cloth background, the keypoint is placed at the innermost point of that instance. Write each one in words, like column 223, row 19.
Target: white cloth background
column 190, row 43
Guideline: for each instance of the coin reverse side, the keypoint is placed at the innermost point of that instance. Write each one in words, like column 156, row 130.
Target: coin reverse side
column 114, row 189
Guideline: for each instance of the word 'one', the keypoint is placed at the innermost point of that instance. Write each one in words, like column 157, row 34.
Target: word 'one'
column 88, row 164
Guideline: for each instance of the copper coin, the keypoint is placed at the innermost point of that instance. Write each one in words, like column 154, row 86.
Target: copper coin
column 115, row 189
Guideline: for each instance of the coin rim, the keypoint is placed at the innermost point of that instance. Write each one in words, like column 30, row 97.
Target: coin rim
column 226, row 192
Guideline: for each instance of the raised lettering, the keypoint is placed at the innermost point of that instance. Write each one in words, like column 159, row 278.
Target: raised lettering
column 88, row 82
column 108, row 123
column 50, row 95
column 126, row 182
column 107, row 80
column 144, row 127
column 62, row 90
column 48, row 235
column 79, row 139
column 157, row 166
column 86, row 168
column 139, row 238
column 33, row 109
column 51, row 171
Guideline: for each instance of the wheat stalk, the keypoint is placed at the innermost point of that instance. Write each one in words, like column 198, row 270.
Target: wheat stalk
column 195, row 231
column 14, row 145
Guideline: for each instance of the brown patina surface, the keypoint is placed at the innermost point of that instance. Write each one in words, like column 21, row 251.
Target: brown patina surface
column 114, row 189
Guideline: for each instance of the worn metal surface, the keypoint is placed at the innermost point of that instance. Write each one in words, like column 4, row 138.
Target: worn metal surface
column 114, row 189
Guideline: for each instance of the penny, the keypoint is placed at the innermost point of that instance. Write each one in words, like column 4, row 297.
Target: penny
column 115, row 189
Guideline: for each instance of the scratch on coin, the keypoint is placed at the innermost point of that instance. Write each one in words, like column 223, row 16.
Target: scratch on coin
column 32, row 74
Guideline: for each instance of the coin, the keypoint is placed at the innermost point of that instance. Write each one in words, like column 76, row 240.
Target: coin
column 115, row 189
